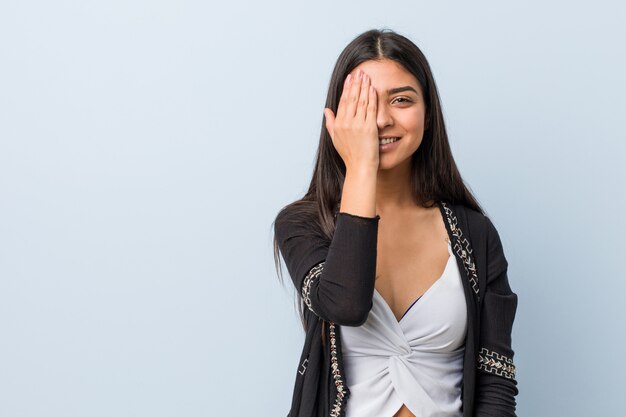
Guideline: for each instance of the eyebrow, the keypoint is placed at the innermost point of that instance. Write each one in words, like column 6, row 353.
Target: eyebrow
column 401, row 89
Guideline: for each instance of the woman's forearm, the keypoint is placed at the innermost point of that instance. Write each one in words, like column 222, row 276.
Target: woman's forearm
column 359, row 191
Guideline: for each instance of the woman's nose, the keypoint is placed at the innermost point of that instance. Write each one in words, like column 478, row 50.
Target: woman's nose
column 383, row 117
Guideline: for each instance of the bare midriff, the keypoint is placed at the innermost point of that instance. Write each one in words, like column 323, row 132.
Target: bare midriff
column 404, row 412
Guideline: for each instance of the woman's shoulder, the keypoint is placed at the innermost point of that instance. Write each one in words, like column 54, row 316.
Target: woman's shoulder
column 479, row 225
column 485, row 241
column 466, row 214
column 297, row 217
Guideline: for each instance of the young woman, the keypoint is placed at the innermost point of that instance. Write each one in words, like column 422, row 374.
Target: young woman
column 401, row 277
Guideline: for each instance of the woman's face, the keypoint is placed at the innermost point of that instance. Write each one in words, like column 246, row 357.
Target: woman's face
column 401, row 109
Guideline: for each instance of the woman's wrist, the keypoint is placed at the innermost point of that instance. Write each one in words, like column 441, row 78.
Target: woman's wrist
column 359, row 191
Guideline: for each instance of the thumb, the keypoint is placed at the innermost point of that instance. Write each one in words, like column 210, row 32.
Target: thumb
column 330, row 120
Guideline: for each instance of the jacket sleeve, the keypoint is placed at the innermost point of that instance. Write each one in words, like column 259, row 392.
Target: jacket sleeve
column 496, row 386
column 335, row 279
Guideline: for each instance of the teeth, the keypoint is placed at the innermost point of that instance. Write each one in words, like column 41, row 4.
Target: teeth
column 387, row 140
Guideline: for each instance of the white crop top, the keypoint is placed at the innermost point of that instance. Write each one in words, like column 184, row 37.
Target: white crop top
column 417, row 361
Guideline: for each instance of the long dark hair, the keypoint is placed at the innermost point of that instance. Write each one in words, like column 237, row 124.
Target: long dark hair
column 434, row 174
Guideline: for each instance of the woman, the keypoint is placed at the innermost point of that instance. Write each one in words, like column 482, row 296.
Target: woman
column 401, row 277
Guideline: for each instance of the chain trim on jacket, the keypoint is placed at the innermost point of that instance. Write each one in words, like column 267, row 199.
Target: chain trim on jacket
column 462, row 248
column 306, row 285
column 306, row 291
column 495, row 363
column 336, row 409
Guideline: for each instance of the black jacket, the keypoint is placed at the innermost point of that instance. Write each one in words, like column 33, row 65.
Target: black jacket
column 335, row 283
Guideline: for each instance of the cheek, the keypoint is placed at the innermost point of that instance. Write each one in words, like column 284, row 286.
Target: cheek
column 413, row 119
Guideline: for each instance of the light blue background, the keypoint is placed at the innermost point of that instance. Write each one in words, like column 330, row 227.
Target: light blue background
column 146, row 146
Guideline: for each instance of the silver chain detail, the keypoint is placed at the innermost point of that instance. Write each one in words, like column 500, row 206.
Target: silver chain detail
column 306, row 285
column 336, row 409
column 463, row 248
column 341, row 390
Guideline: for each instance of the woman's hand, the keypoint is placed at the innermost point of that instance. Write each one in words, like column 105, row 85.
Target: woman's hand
column 354, row 131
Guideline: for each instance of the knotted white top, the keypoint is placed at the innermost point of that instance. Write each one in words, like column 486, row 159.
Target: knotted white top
column 417, row 361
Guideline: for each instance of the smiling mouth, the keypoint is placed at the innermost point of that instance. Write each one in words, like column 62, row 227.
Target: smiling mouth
column 385, row 141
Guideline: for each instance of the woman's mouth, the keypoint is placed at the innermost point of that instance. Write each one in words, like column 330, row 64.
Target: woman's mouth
column 386, row 144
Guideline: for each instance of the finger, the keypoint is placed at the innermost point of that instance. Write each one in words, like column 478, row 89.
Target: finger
column 372, row 105
column 361, row 109
column 345, row 93
column 353, row 98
